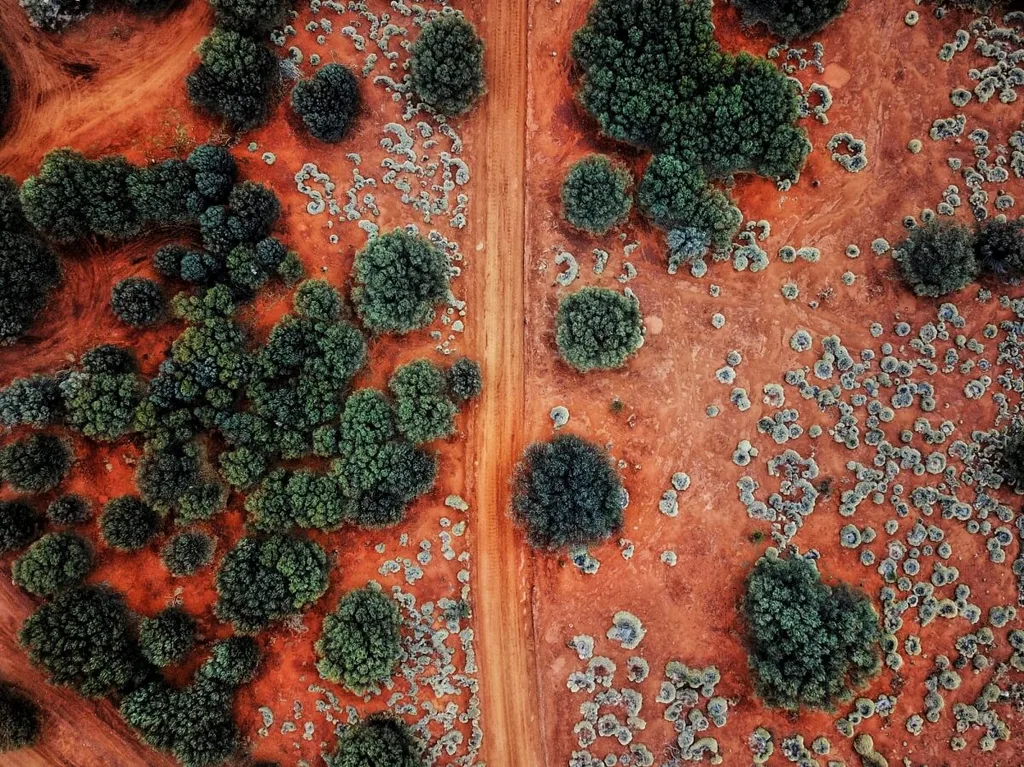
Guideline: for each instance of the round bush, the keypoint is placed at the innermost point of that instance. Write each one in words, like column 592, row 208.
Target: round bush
column 109, row 359
column 447, row 64
column 19, row 720
column 999, row 248
column 359, row 644
column 138, row 302
column 464, row 379
column 53, row 563
column 377, row 740
column 400, row 279
column 36, row 464
column 937, row 258
column 809, row 644
column 1011, row 459
column 19, row 524
column 597, row 328
column 791, row 19
column 29, row 270
column 328, row 102
column 127, row 523
column 566, row 493
column 595, row 194
column 235, row 78
column 69, row 510
column 187, row 552
column 167, row 637
column 232, row 662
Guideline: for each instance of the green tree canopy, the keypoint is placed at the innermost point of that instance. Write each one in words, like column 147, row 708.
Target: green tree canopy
column 19, row 524
column 937, row 258
column 19, row 719
column 187, row 552
column 33, row 401
column 360, row 644
column 377, row 740
column 36, row 463
column 999, row 248
column 235, row 78
column 791, row 19
column 465, row 381
column 101, row 405
column 252, row 17
column 127, row 523
column 69, row 510
column 168, row 636
column 423, row 411
column 598, row 328
column 328, row 102
column 53, row 563
column 138, row 302
column 447, row 64
column 29, row 271
column 595, row 194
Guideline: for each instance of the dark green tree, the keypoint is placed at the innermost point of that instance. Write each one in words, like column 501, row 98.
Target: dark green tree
column 83, row 639
column 999, row 248
column 328, row 102
column 447, row 64
column 359, row 644
column 53, row 563
column 595, row 194
column 318, row 300
column 54, row 200
column 19, row 719
column 101, row 405
column 809, row 644
column 69, row 510
column 233, row 662
column 598, row 328
column 566, row 493
column 12, row 217
column 109, row 359
column 377, row 740
column 302, row 497
column 791, row 19
column 265, row 579
column 251, row 17
column 161, row 193
column 127, row 523
column 29, row 271
column 19, row 524
column 167, row 637
column 213, row 172
column 33, row 401
column 465, row 381
column 37, row 463
column 1011, row 457
column 423, row 411
column 56, row 15
column 400, row 279
column 235, row 79
column 937, row 258
column 186, row 553
column 138, row 302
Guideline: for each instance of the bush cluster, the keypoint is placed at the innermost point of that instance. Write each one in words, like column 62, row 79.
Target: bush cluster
column 19, row 719
column 328, row 102
column 359, row 643
column 37, row 463
column 566, row 493
column 598, row 328
column 53, row 563
column 447, row 64
column 791, row 19
column 377, row 740
column 595, row 194
column 809, row 644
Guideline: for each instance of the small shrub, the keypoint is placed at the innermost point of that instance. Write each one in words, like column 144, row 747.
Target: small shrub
column 359, row 644
column 19, row 720
column 167, row 637
column 19, row 524
column 36, row 464
column 186, row 553
column 53, row 563
column 69, row 510
column 328, row 102
column 791, row 19
column 127, row 523
column 138, row 302
column 566, row 493
column 235, row 78
column 597, row 328
column 595, row 194
column 447, row 64
column 465, row 381
column 377, row 740
column 999, row 248
column 937, row 258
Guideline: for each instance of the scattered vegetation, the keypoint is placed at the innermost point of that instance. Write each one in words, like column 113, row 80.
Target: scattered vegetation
column 597, row 328
column 359, row 644
column 447, row 64
column 53, row 563
column 19, row 720
column 328, row 102
column 566, row 493
column 937, row 258
column 595, row 194
column 809, row 644
column 36, row 464
column 377, row 740
column 167, row 637
column 791, row 19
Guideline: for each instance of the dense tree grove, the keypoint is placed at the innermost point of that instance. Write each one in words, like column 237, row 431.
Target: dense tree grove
column 69, row 510
column 359, row 644
column 83, row 639
column 999, row 248
column 400, row 279
column 266, row 579
column 595, row 194
column 167, row 637
column 127, row 523
column 566, row 493
column 809, row 644
column 377, row 740
column 328, row 102
column 937, row 258
column 19, row 719
column 53, row 563
column 447, row 64
column 19, row 524
column 187, row 552
column 598, row 328
column 465, row 381
column 36, row 464
column 138, row 302
column 235, row 77
column 791, row 19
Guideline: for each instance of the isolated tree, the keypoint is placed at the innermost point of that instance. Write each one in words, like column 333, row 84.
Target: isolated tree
column 598, row 328
column 82, row 639
column 109, row 359
column 447, row 64
column 29, row 271
column 265, row 579
column 69, row 510
column 53, row 563
column 566, row 493
column 809, row 644
column 37, row 463
column 464, row 379
column 161, row 192
column 359, row 644
column 377, row 740
column 400, row 279
column 167, row 637
column 138, row 302
column 19, row 719
column 235, row 78
column 127, row 523
column 100, row 405
column 33, row 401
column 595, row 194
column 186, row 553
column 233, row 662
column 328, row 102
column 19, row 524
column 999, row 248
column 423, row 411
column 791, row 19
column 937, row 258
column 251, row 17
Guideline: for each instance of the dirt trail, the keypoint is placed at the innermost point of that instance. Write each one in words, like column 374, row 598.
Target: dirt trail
column 503, row 571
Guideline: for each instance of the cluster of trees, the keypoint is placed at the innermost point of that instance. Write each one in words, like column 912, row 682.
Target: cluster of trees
column 377, row 740
column 809, row 644
column 791, row 19
column 447, row 64
column 19, row 719
column 567, row 493
column 328, row 102
column 653, row 76
column 598, row 328
column 941, row 257
column 359, row 643
column 596, row 194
